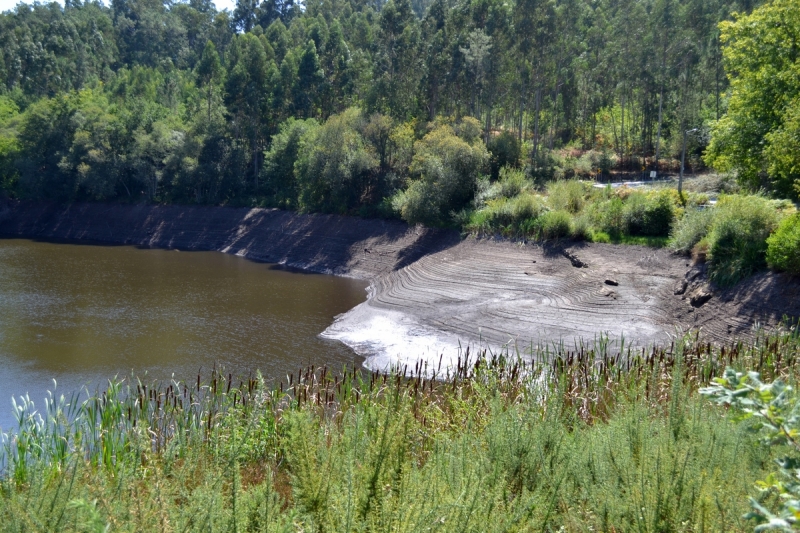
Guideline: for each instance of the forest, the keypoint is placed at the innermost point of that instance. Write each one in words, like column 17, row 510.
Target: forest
column 389, row 109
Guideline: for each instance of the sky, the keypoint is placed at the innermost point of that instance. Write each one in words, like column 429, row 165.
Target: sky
column 5, row 5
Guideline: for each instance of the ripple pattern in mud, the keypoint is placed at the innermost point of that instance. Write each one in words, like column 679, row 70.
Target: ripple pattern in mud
column 501, row 293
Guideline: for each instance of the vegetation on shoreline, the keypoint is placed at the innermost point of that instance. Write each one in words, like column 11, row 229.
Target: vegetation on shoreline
column 387, row 108
column 480, row 116
column 595, row 439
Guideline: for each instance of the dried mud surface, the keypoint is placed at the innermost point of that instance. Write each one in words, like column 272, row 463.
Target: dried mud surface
column 432, row 292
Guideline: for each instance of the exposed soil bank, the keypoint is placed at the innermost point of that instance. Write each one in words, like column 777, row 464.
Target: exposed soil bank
column 344, row 246
column 431, row 291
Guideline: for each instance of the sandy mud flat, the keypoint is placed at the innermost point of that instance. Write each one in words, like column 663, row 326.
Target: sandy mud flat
column 432, row 293
column 515, row 297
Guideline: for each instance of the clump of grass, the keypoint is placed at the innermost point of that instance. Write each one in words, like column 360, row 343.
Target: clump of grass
column 567, row 195
column 507, row 215
column 691, row 229
column 738, row 237
column 553, row 225
column 650, row 215
column 512, row 182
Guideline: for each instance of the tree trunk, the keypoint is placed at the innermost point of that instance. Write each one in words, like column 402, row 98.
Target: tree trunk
column 658, row 133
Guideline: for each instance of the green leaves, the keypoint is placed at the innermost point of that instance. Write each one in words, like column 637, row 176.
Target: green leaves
column 774, row 411
column 783, row 246
column 758, row 135
column 447, row 163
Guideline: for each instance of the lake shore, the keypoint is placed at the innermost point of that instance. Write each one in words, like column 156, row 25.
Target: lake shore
column 432, row 293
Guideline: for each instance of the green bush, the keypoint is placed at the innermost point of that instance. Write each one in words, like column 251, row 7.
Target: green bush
column 581, row 229
column 691, row 229
column 608, row 216
column 334, row 164
column 507, row 215
column 649, row 215
column 504, row 151
column 512, row 182
column 278, row 175
column 554, row 225
column 783, row 246
column 567, row 195
column 772, row 410
column 738, row 237
column 526, row 206
column 446, row 165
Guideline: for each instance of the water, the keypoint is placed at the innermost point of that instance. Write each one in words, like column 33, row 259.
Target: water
column 81, row 314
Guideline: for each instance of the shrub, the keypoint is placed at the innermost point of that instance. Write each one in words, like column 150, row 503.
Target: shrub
column 508, row 215
column 581, row 230
column 277, row 174
column 738, row 237
column 608, row 216
column 333, row 164
column 783, row 246
column 512, row 182
column 504, row 150
column 554, row 225
column 772, row 410
column 567, row 195
column 499, row 213
column 649, row 215
column 546, row 165
column 691, row 229
column 526, row 206
column 446, row 167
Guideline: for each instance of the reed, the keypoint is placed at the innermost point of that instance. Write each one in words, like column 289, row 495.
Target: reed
column 599, row 438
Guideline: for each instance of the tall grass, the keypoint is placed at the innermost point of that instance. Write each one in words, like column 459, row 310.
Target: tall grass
column 738, row 237
column 595, row 439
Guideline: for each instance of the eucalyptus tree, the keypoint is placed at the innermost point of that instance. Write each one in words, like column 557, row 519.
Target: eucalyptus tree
column 247, row 94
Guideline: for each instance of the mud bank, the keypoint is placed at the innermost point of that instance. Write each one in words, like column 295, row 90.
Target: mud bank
column 431, row 293
column 343, row 246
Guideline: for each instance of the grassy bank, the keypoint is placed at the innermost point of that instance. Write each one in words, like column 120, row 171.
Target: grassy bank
column 596, row 441
column 739, row 234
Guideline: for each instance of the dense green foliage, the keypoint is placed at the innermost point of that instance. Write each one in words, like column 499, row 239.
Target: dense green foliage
column 734, row 235
column 572, row 208
column 758, row 137
column 691, row 229
column 772, row 407
column 783, row 246
column 178, row 102
column 737, row 241
column 597, row 441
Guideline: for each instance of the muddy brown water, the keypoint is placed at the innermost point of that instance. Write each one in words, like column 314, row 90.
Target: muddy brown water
column 81, row 314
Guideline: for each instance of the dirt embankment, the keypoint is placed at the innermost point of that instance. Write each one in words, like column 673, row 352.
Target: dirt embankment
column 432, row 292
column 344, row 246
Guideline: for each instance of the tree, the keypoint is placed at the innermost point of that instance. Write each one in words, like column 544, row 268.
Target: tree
column 334, row 165
column 397, row 69
column 308, row 82
column 476, row 53
column 756, row 135
column 209, row 73
column 278, row 171
column 447, row 163
column 245, row 15
column 247, row 92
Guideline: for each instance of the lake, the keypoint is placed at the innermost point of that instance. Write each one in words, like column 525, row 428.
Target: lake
column 81, row 314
